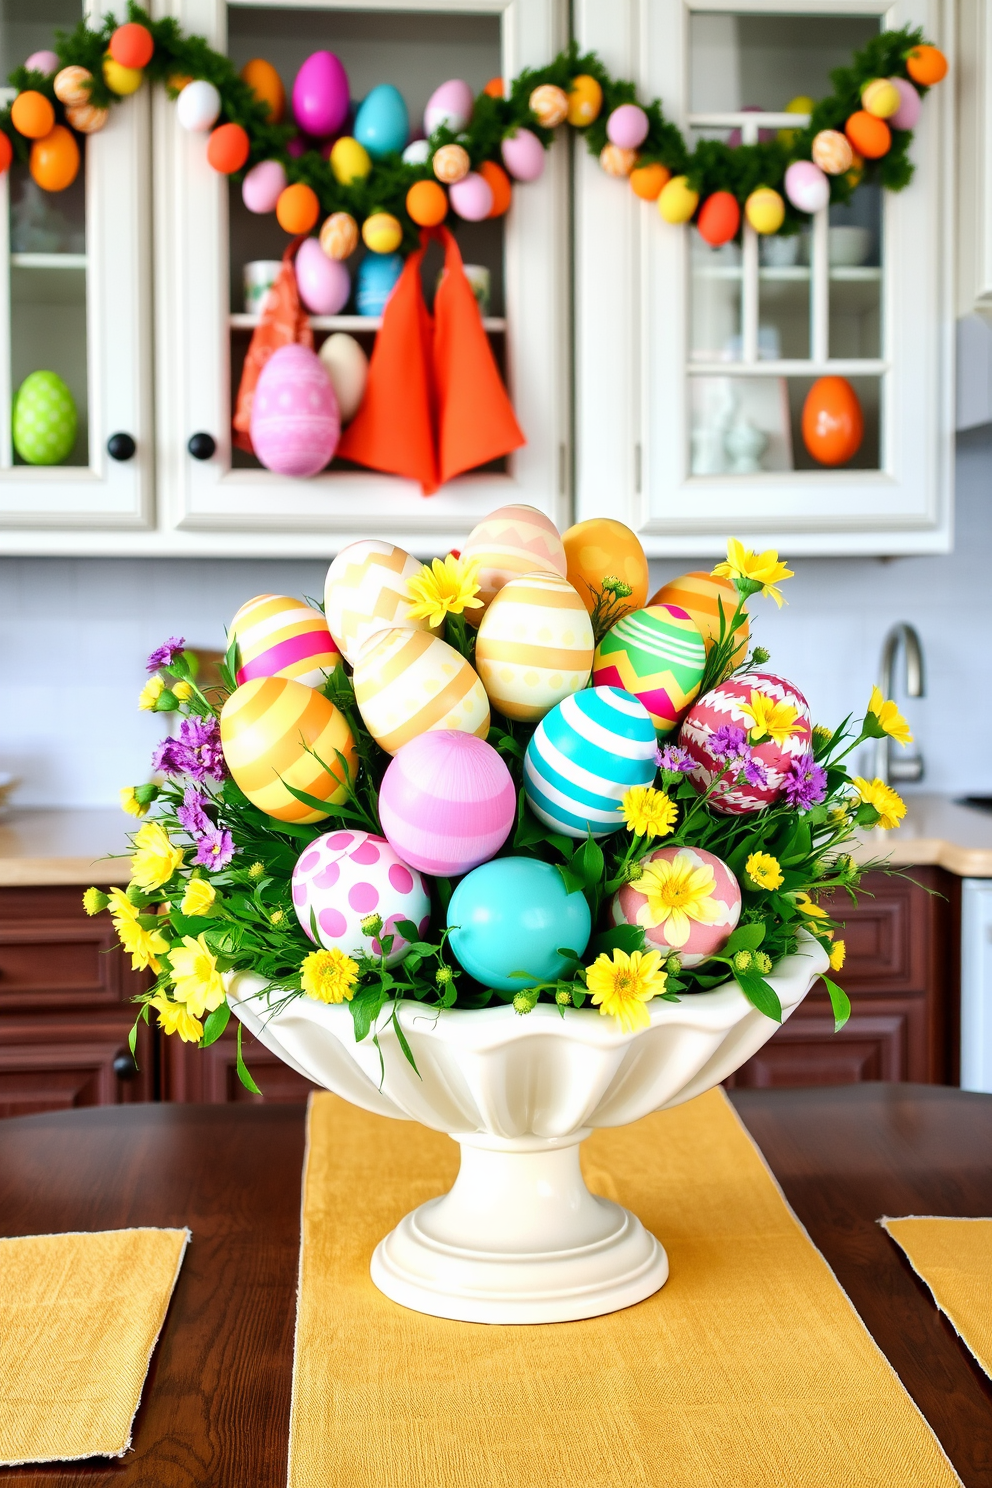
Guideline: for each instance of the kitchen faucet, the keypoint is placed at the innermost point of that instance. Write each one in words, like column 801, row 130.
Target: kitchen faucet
column 889, row 766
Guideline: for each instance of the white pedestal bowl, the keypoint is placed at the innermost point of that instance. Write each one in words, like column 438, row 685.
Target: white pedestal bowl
column 519, row 1238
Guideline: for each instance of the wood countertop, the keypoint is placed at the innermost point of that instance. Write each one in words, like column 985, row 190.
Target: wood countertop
column 936, row 831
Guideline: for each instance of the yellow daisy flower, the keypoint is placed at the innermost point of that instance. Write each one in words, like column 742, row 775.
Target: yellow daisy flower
column 621, row 985
column 195, row 978
column 329, row 976
column 183, row 691
column 889, row 717
column 678, row 892
column 764, row 871
column 888, row 803
column 198, row 898
column 94, row 900
column 130, row 802
column 806, row 906
column 838, row 955
column 143, row 946
column 753, row 571
column 648, row 812
column 445, row 586
column 769, row 719
column 821, row 734
column 155, row 860
column 174, row 1017
column 150, row 693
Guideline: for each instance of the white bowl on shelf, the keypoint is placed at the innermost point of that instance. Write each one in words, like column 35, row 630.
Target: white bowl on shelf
column 849, row 246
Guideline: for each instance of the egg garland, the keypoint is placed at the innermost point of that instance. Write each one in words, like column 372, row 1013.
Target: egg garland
column 725, row 707
column 342, row 877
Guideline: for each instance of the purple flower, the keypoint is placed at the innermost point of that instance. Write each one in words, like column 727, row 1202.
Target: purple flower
column 192, row 812
column 727, row 741
column 196, row 751
column 166, row 759
column 215, row 850
column 164, row 656
column 673, row 758
column 805, row 784
column 754, row 772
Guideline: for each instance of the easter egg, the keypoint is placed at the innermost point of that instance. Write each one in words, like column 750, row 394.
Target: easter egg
column 648, row 181
column 44, row 419
column 658, row 656
column 323, row 282
column 926, row 65
column 282, row 637
column 535, row 645
column 266, row 84
column 523, row 155
column 32, row 115
column 447, row 802
column 263, row 185
column 339, row 235
column 677, row 201
column 365, row 591
column 802, row 104
column 871, row 137
column 881, row 98
column 198, row 106
column 472, row 197
column 87, row 118
column 72, row 86
column 602, row 548
column 627, row 126
column 377, row 276
column 294, row 416
column 274, row 732
column 382, row 233
column 345, row 875
column 712, row 914
column 585, row 99
column 45, row 61
column 347, row 366
column 131, row 45
column 832, row 152
column 382, row 124
column 704, row 597
column 616, row 161
column 417, row 152
column 426, row 203
column 495, row 88
column 509, row 542
column 907, row 115
column 499, row 185
column 6, row 152
column 765, row 210
column 549, row 105
column 408, row 682
column 228, row 148
column 451, row 163
column 54, row 160
column 833, row 425
column 450, row 104
column 584, row 756
column 350, row 161
column 121, row 80
column 721, row 706
column 719, row 218
column 297, row 208
column 806, row 186
column 320, row 95
column 513, row 915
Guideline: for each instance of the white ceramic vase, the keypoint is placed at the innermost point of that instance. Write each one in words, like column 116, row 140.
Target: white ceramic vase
column 519, row 1238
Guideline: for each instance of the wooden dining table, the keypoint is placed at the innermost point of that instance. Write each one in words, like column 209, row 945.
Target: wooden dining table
column 215, row 1409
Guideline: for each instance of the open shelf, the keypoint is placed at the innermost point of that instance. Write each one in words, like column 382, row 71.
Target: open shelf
column 242, row 322
column 48, row 260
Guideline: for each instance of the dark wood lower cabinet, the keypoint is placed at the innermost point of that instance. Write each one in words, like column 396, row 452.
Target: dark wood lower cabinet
column 211, row 1075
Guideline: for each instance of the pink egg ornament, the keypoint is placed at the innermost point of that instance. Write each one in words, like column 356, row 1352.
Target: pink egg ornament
column 450, row 104
column 447, row 802
column 627, row 126
column 523, row 155
column 701, row 938
column 263, row 186
column 320, row 95
column 723, row 706
column 295, row 425
column 344, row 876
column 806, row 186
column 324, row 283
column 907, row 115
column 45, row 61
column 471, row 197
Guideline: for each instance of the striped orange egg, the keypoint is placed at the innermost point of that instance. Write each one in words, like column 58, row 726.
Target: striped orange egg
column 408, row 682
column 268, row 728
column 535, row 646
column 701, row 595
column 511, row 541
column 282, row 637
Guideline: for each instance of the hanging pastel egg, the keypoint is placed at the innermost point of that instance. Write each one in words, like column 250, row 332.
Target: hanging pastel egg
column 86, row 118
column 926, row 65
column 535, row 646
column 294, row 416
column 417, row 152
column 382, row 124
column 447, row 803
column 297, row 208
column 346, row 875
column 832, row 152
column 510, row 541
column 44, row 420
column 584, row 756
column 273, row 732
column 471, row 197
column 198, row 106
column 339, row 235
column 121, row 80
column 72, row 86
column 350, row 161
column 627, row 126
column 648, row 181
column 523, row 155
column 266, row 84
column 228, row 149
column 907, row 115
column 710, row 602
column 323, row 282
column 499, row 185
column 347, row 366
column 513, row 915
column 602, row 548
column 765, row 210
column 871, row 137
column 585, row 99
column 881, row 98
column 426, row 203
column 45, row 61
column 408, row 682
column 132, row 45
column 719, row 218
column 320, row 95
column 282, row 637
column 377, row 278
column 677, row 201
column 450, row 104
column 365, row 591
column 32, row 114
column 806, row 186
column 691, row 907
column 263, row 185
column 616, row 161
column 833, row 425
column 382, row 232
column 451, row 163
column 54, row 160
column 801, row 104
column 549, row 105
column 722, row 707
column 658, row 656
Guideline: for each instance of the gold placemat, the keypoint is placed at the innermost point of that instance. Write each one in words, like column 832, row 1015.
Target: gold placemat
column 749, row 1367
column 954, row 1258
column 80, row 1315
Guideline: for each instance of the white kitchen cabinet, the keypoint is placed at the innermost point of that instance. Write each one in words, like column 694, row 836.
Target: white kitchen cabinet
column 689, row 360
column 974, row 206
column 976, row 984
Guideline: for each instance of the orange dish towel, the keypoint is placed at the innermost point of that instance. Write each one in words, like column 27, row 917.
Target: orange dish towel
column 80, row 1315
column 954, row 1258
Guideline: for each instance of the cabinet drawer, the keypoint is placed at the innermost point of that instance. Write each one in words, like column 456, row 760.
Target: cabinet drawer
column 57, row 1065
column 59, row 963
column 806, row 1051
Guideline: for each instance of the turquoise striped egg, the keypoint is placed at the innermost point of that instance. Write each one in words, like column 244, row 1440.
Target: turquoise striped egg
column 584, row 756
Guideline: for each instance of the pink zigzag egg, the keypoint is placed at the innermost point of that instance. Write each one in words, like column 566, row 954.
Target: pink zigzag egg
column 723, row 706
column 510, row 542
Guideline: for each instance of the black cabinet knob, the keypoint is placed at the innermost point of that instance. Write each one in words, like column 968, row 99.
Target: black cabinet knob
column 125, row 1067
column 121, row 447
column 202, row 446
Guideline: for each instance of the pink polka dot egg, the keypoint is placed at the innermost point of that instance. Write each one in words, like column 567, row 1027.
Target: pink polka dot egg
column 691, row 908
column 344, row 876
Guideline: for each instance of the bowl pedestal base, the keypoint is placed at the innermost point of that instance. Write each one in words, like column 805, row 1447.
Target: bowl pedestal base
column 519, row 1239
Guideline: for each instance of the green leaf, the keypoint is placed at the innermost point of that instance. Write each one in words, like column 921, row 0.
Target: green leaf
column 409, row 931
column 215, row 1025
column 574, row 883
column 366, row 1006
column 587, row 863
column 242, row 1069
column 759, row 994
column 745, row 938
column 401, row 1039
column 132, row 1039
column 800, row 846
column 839, row 1002
column 568, row 953
column 620, row 938
column 443, row 887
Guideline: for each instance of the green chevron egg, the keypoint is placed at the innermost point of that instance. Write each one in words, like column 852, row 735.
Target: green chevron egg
column 44, row 419
column 658, row 655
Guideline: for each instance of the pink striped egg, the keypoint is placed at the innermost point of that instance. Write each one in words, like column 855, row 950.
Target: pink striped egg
column 344, row 876
column 723, row 706
column 712, row 914
column 447, row 802
column 282, row 637
column 295, row 425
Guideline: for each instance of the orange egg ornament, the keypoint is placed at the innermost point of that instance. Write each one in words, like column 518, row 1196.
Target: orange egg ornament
column 132, row 45
column 297, row 209
column 499, row 184
column 719, row 218
column 833, row 424
column 32, row 115
column 926, row 65
column 6, row 153
column 266, row 84
column 228, row 148
column 648, row 181
column 871, row 137
column 427, row 203
column 495, row 88
column 55, row 159
column 585, row 99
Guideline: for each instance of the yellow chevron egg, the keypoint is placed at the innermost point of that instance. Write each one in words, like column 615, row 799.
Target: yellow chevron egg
column 408, row 682
column 365, row 591
column 512, row 541
column 282, row 637
column 535, row 646
column 268, row 728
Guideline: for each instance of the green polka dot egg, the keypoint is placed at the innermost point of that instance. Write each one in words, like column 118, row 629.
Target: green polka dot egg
column 44, row 419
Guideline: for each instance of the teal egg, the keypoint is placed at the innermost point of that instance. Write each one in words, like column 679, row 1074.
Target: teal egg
column 44, row 419
column 377, row 276
column 513, row 914
column 382, row 124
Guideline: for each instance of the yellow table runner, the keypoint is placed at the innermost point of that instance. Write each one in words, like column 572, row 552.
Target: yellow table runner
column 749, row 1367
column 80, row 1315
column 954, row 1258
